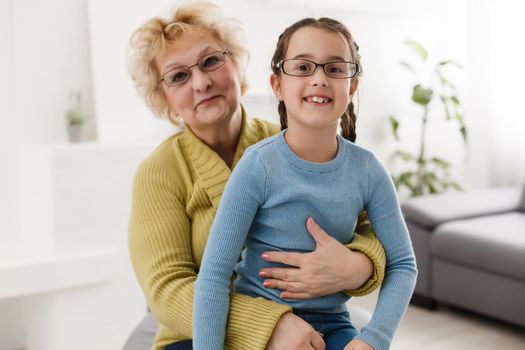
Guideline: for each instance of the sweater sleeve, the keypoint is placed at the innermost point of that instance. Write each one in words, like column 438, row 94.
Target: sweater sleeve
column 366, row 242
column 161, row 255
column 400, row 276
column 242, row 196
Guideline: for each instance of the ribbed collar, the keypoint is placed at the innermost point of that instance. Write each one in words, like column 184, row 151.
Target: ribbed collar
column 325, row 167
column 211, row 170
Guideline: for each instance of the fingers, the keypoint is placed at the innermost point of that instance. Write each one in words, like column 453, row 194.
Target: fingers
column 317, row 341
column 283, row 274
column 317, row 233
column 290, row 258
column 284, row 285
column 296, row 296
column 290, row 290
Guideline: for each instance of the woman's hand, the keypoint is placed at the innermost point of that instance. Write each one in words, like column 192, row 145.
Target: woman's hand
column 293, row 333
column 358, row 345
column 330, row 268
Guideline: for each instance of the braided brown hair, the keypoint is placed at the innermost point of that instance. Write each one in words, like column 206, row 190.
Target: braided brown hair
column 348, row 119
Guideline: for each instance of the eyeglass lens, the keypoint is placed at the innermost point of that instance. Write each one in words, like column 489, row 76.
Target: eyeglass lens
column 336, row 69
column 180, row 75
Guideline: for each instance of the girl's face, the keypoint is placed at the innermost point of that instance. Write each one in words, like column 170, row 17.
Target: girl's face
column 315, row 101
column 207, row 98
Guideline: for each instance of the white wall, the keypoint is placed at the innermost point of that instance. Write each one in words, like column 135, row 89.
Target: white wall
column 507, row 57
column 11, row 330
column 9, row 129
column 380, row 28
column 51, row 58
column 44, row 55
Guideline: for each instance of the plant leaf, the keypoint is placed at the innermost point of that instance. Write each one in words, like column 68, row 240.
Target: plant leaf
column 455, row 185
column 444, row 81
column 450, row 62
column 418, row 48
column 445, row 106
column 405, row 178
column 440, row 162
column 394, row 124
column 455, row 100
column 406, row 156
column 422, row 95
column 463, row 131
column 407, row 66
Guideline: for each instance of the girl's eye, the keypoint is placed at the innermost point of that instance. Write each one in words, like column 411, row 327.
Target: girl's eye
column 303, row 68
column 335, row 69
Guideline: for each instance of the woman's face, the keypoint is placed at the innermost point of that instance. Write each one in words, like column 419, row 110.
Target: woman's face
column 207, row 98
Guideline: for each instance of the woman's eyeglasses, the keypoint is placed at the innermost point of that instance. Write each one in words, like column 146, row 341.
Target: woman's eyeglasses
column 180, row 75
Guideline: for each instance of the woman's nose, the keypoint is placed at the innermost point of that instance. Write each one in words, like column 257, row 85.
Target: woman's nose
column 200, row 81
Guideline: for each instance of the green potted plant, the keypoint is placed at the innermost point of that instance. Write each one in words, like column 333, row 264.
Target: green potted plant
column 422, row 173
column 75, row 117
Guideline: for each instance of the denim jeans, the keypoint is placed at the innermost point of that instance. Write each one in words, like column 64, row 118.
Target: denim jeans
column 182, row 345
column 337, row 329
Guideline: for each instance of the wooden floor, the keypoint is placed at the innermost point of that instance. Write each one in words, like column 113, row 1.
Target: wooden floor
column 450, row 329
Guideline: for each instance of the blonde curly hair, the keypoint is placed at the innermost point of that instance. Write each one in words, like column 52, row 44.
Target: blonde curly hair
column 149, row 40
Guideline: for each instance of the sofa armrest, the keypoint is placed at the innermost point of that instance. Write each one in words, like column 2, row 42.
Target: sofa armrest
column 430, row 211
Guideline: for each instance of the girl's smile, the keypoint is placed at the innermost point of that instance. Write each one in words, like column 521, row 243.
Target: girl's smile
column 318, row 100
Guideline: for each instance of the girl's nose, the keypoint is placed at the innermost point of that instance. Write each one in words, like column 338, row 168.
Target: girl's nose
column 319, row 77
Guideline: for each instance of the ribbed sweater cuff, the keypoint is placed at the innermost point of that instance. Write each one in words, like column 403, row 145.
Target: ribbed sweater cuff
column 251, row 322
column 372, row 248
column 375, row 340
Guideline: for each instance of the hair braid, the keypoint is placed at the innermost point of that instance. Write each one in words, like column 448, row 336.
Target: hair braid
column 282, row 115
column 348, row 123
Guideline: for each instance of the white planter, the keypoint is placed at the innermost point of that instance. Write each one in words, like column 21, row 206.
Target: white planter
column 74, row 133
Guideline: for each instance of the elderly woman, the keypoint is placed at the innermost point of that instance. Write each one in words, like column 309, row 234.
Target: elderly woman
column 190, row 69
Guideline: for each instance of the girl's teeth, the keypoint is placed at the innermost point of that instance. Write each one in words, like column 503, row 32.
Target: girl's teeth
column 319, row 99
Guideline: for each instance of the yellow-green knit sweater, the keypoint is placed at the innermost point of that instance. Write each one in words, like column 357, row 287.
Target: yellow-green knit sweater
column 175, row 196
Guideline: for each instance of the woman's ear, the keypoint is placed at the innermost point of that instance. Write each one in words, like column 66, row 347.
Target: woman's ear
column 276, row 86
column 353, row 86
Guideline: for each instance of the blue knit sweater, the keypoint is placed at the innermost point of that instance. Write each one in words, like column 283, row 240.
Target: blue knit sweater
column 264, row 207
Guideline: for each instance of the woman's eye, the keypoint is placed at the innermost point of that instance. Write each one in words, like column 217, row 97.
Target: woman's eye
column 178, row 77
column 211, row 61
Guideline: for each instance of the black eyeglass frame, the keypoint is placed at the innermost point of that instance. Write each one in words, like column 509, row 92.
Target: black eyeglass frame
column 280, row 65
column 198, row 64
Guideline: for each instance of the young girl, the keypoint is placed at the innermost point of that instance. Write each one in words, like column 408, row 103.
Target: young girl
column 307, row 168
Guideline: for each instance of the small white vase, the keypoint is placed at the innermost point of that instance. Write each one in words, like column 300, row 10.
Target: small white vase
column 74, row 133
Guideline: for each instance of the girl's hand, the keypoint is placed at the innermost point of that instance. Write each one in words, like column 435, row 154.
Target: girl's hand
column 358, row 345
column 293, row 333
column 330, row 268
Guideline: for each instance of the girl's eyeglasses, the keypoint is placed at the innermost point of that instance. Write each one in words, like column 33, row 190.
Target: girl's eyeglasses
column 305, row 68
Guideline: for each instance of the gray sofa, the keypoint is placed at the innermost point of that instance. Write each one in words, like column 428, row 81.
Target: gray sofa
column 470, row 251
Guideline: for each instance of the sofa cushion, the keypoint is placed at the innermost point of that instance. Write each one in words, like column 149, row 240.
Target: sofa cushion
column 494, row 243
column 523, row 199
column 430, row 211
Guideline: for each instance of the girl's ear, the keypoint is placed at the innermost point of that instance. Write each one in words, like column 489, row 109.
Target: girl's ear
column 353, row 86
column 276, row 86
